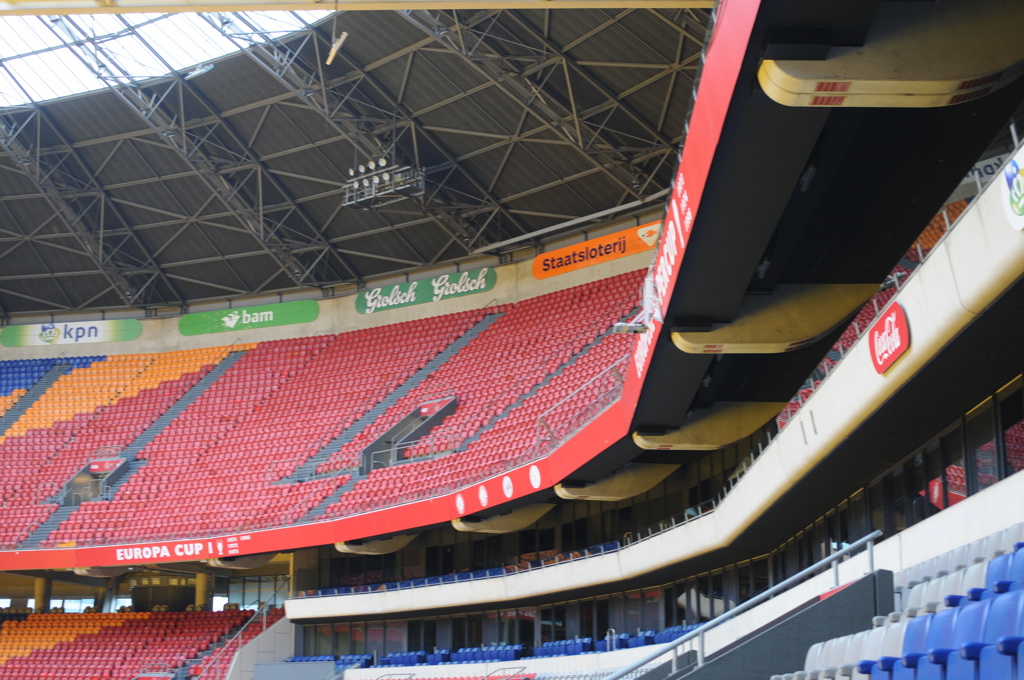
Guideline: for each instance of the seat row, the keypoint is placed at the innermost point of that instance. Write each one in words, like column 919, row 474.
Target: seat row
column 961, row 627
column 980, row 550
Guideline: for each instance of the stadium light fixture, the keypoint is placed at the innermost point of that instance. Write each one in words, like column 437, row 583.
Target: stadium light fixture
column 336, row 46
column 199, row 70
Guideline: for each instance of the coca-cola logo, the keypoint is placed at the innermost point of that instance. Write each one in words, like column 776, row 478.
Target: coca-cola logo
column 889, row 338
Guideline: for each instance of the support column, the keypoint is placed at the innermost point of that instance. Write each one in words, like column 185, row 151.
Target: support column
column 303, row 570
column 43, row 591
column 203, row 591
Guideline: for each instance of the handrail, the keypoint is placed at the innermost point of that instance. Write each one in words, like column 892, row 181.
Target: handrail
column 797, row 402
column 868, row 541
column 260, row 614
column 679, row 519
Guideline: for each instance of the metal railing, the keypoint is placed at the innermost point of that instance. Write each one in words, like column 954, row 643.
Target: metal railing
column 526, row 566
column 828, row 365
column 213, row 670
column 673, row 647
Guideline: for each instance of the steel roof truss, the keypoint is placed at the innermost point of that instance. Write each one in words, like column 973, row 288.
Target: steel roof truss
column 198, row 147
column 77, row 198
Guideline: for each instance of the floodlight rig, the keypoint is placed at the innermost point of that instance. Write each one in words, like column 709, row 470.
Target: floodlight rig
column 378, row 178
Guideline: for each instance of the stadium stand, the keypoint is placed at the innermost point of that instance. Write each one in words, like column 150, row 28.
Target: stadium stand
column 116, row 646
column 277, row 387
column 218, row 663
column 296, row 430
column 965, row 628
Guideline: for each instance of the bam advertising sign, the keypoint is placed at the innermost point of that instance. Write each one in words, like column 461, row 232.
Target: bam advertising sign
column 71, row 333
column 598, row 250
column 428, row 290
column 248, row 318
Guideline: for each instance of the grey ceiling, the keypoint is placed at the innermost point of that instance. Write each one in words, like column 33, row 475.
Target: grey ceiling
column 166, row 192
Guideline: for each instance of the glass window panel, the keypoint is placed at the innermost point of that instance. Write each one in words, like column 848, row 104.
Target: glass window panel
column 475, row 630
column 918, row 507
column 430, row 635
column 934, row 478
column 652, row 619
column 309, row 640
column 375, row 638
column 323, row 639
column 981, row 442
column 144, row 46
column 1011, row 412
column 395, row 637
column 559, row 621
column 527, row 626
column 633, row 615
column 459, row 632
column 895, row 502
column 342, row 638
column 956, row 477
column 358, row 638
column 601, row 621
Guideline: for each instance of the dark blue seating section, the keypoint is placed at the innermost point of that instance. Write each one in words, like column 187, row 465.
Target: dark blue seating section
column 492, row 572
column 354, row 661
column 440, row 656
column 565, row 647
column 674, row 632
column 611, row 643
column 344, row 661
column 403, row 659
column 22, row 374
column 488, row 653
column 977, row 638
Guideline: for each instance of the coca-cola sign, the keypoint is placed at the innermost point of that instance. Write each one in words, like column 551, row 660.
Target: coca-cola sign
column 889, row 338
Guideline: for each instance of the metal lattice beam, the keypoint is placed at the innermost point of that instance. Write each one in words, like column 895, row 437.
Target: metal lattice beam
column 341, row 110
column 474, row 47
column 231, row 173
column 84, row 208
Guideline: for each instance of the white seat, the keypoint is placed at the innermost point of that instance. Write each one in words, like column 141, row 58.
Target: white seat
column 827, row 665
column 978, row 550
column 870, row 649
column 956, row 559
column 813, row 663
column 851, row 655
column 1014, row 535
column 974, row 577
column 915, row 599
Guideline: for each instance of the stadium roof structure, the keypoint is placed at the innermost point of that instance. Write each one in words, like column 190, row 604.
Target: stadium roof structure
column 234, row 181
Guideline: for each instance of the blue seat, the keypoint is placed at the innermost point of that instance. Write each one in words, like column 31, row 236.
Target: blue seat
column 913, row 642
column 939, row 634
column 1004, row 620
column 969, row 625
column 998, row 570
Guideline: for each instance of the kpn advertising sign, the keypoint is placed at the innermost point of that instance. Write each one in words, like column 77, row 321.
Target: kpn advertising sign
column 70, row 333
column 248, row 318
column 427, row 290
